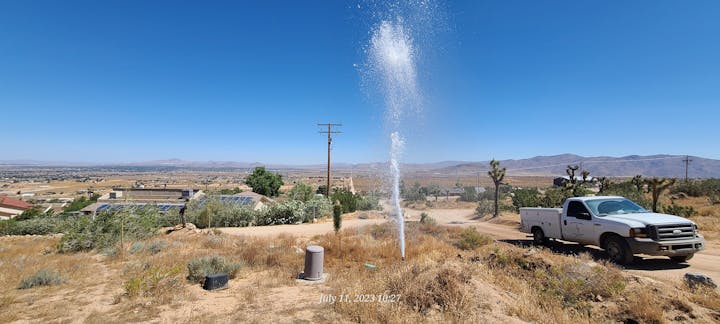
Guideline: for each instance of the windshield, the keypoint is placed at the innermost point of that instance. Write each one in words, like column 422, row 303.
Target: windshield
column 614, row 206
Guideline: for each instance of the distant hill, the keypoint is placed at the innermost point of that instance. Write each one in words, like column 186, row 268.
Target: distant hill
column 649, row 166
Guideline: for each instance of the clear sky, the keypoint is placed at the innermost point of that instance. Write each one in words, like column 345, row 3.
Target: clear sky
column 121, row 81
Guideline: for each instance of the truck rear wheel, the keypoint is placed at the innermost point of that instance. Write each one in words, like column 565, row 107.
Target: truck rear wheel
column 539, row 236
column 681, row 258
column 618, row 250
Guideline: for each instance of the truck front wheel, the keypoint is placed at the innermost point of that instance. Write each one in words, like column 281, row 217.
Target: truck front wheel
column 618, row 251
column 681, row 258
column 539, row 236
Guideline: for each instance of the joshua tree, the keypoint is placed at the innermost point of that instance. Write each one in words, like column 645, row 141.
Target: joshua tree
column 585, row 176
column 638, row 182
column 497, row 174
column 572, row 184
column 603, row 184
column 656, row 186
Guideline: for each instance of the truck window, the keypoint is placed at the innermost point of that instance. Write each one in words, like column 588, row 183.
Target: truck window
column 575, row 208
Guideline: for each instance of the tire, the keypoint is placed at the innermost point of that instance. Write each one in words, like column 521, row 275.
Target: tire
column 618, row 250
column 681, row 258
column 539, row 236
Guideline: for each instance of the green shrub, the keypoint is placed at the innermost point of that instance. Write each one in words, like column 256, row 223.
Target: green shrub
column 42, row 225
column 485, row 207
column 684, row 211
column 201, row 267
column 156, row 247
column 84, row 233
column 44, row 277
column 526, row 198
column 137, row 247
column 426, row 219
column 317, row 207
column 471, row 239
column 469, row 194
column 220, row 213
column 290, row 212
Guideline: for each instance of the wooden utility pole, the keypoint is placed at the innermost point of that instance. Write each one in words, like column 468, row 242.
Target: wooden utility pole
column 687, row 161
column 329, row 133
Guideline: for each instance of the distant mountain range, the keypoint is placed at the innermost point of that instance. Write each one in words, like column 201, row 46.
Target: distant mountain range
column 649, row 166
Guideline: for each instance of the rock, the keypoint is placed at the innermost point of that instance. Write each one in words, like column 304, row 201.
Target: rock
column 530, row 252
column 698, row 279
column 598, row 298
column 190, row 226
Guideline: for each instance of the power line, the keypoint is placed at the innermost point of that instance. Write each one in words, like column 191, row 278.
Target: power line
column 329, row 133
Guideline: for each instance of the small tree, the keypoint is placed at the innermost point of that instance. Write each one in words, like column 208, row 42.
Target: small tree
column 498, row 175
column 264, row 182
column 337, row 222
column 337, row 217
column 301, row 192
column 656, row 186
column 638, row 182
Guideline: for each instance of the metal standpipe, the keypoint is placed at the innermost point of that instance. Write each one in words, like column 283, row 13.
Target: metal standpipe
column 314, row 255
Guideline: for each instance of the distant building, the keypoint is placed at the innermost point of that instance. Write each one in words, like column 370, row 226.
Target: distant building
column 163, row 199
column 11, row 207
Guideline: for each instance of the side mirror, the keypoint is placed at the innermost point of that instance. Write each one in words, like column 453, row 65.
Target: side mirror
column 584, row 215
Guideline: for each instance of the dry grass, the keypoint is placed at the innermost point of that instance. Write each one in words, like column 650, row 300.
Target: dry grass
column 439, row 282
column 707, row 218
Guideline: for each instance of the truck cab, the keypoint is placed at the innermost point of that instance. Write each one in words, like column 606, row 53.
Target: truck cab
column 616, row 224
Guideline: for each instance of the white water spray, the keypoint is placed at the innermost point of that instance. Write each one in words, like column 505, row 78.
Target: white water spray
column 393, row 61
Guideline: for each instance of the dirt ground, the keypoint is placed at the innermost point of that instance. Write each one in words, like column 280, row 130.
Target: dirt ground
column 505, row 228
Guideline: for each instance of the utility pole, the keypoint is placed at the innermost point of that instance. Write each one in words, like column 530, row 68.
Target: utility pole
column 329, row 133
column 687, row 161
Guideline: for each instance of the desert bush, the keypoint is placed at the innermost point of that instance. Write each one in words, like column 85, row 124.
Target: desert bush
column 684, row 211
column 485, row 207
column 289, row 212
column 317, row 207
column 697, row 187
column 554, row 197
column 368, row 202
column 44, row 277
column 84, row 233
column 301, row 192
column 201, row 267
column 42, row 225
column 526, row 198
column 220, row 213
column 137, row 247
column 471, row 239
column 426, row 219
column 156, row 247
column 469, row 194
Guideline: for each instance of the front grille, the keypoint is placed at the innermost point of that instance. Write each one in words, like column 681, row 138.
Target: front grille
column 672, row 232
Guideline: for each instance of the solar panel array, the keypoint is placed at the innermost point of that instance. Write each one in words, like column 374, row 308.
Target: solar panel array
column 118, row 207
column 239, row 200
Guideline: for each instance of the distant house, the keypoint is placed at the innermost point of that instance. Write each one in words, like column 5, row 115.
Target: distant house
column 11, row 207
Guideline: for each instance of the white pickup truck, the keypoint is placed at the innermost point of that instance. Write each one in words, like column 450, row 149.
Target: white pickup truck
column 616, row 224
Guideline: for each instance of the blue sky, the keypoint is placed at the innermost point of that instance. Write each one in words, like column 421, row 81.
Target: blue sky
column 120, row 81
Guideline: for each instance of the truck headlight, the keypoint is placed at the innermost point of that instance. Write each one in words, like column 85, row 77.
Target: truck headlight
column 639, row 232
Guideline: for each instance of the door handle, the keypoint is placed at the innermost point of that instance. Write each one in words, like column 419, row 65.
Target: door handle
column 597, row 224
